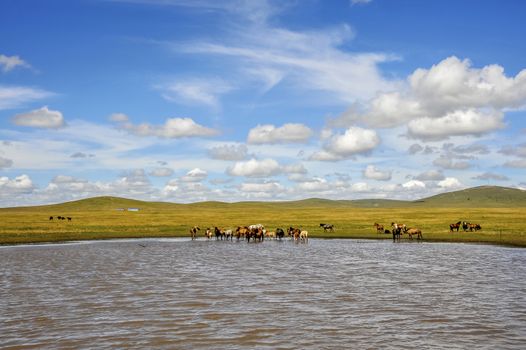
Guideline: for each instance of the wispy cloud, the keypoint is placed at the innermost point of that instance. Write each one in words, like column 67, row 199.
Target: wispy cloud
column 8, row 63
column 17, row 96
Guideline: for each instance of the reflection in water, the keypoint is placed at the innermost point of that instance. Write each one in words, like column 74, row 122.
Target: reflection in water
column 327, row 294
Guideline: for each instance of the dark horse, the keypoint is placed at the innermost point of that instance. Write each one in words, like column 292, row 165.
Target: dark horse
column 280, row 233
column 219, row 233
column 454, row 226
column 327, row 227
column 397, row 232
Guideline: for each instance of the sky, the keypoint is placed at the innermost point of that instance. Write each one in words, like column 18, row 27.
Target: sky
column 186, row 101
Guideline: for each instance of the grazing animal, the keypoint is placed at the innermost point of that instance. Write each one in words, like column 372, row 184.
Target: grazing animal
column 219, row 233
column 304, row 236
column 69, row 219
column 403, row 227
column 387, row 231
column 474, row 227
column 270, row 234
column 414, row 232
column 229, row 234
column 280, row 233
column 465, row 225
column 242, row 231
column 454, row 226
column 50, row 218
column 294, row 233
column 208, row 233
column 379, row 228
column 397, row 231
column 327, row 227
column 193, row 232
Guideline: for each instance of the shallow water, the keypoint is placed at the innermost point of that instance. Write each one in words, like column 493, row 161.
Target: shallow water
column 327, row 294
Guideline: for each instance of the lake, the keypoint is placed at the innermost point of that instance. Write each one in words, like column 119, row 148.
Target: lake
column 326, row 294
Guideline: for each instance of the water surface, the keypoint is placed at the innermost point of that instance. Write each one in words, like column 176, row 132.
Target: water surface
column 327, row 294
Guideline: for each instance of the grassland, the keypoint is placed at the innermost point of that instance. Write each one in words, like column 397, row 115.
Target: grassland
column 500, row 211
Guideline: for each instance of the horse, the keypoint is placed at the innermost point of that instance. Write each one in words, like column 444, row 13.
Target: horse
column 280, row 233
column 294, row 233
column 414, row 231
column 208, row 233
column 327, row 227
column 403, row 227
column 50, row 218
column 69, row 219
column 397, row 231
column 474, row 227
column 255, row 232
column 193, row 232
column 454, row 226
column 270, row 234
column 379, row 228
column 242, row 231
column 465, row 225
column 304, row 236
column 229, row 234
column 219, row 233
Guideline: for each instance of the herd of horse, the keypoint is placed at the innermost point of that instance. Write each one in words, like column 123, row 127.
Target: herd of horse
column 256, row 233
column 61, row 218
column 398, row 229
column 466, row 226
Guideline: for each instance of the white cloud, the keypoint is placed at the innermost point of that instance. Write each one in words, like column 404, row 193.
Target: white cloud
column 519, row 150
column 354, row 141
column 288, row 133
column 315, row 184
column 457, row 123
column 195, row 175
column 172, row 128
column 229, row 152
column 40, row 118
column 297, row 168
column 19, row 185
column 450, row 183
column 413, row 185
column 371, row 172
column 161, row 172
column 17, row 96
column 491, row 176
column 255, row 168
column 9, row 63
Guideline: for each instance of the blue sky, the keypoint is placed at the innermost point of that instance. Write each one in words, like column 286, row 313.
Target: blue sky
column 185, row 101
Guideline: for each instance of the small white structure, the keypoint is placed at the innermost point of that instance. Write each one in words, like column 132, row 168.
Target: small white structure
column 133, row 209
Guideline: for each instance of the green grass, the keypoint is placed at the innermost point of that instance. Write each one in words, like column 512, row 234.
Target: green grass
column 500, row 211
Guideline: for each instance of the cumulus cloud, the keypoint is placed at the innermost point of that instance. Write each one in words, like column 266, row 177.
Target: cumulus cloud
column 449, row 99
column 457, row 123
column 431, row 175
column 40, row 118
column 172, row 128
column 490, row 176
column 371, row 172
column 414, row 185
column 229, row 152
column 17, row 96
column 161, row 172
column 255, row 168
column 195, row 175
column 447, row 163
column 5, row 163
column 354, row 141
column 288, row 133
column 450, row 183
column 19, row 185
column 8, row 63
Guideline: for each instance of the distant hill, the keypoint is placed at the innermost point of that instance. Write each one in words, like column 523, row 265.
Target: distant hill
column 476, row 197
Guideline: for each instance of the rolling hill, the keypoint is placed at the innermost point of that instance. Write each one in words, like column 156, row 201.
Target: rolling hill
column 476, row 197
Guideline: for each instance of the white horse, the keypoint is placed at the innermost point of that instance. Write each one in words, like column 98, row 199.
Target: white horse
column 229, row 234
column 304, row 236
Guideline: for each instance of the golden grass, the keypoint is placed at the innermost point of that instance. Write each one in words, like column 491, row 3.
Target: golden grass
column 24, row 225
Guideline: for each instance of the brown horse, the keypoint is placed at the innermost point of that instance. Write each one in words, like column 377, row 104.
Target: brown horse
column 379, row 228
column 294, row 233
column 454, row 226
column 242, row 231
column 414, row 232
